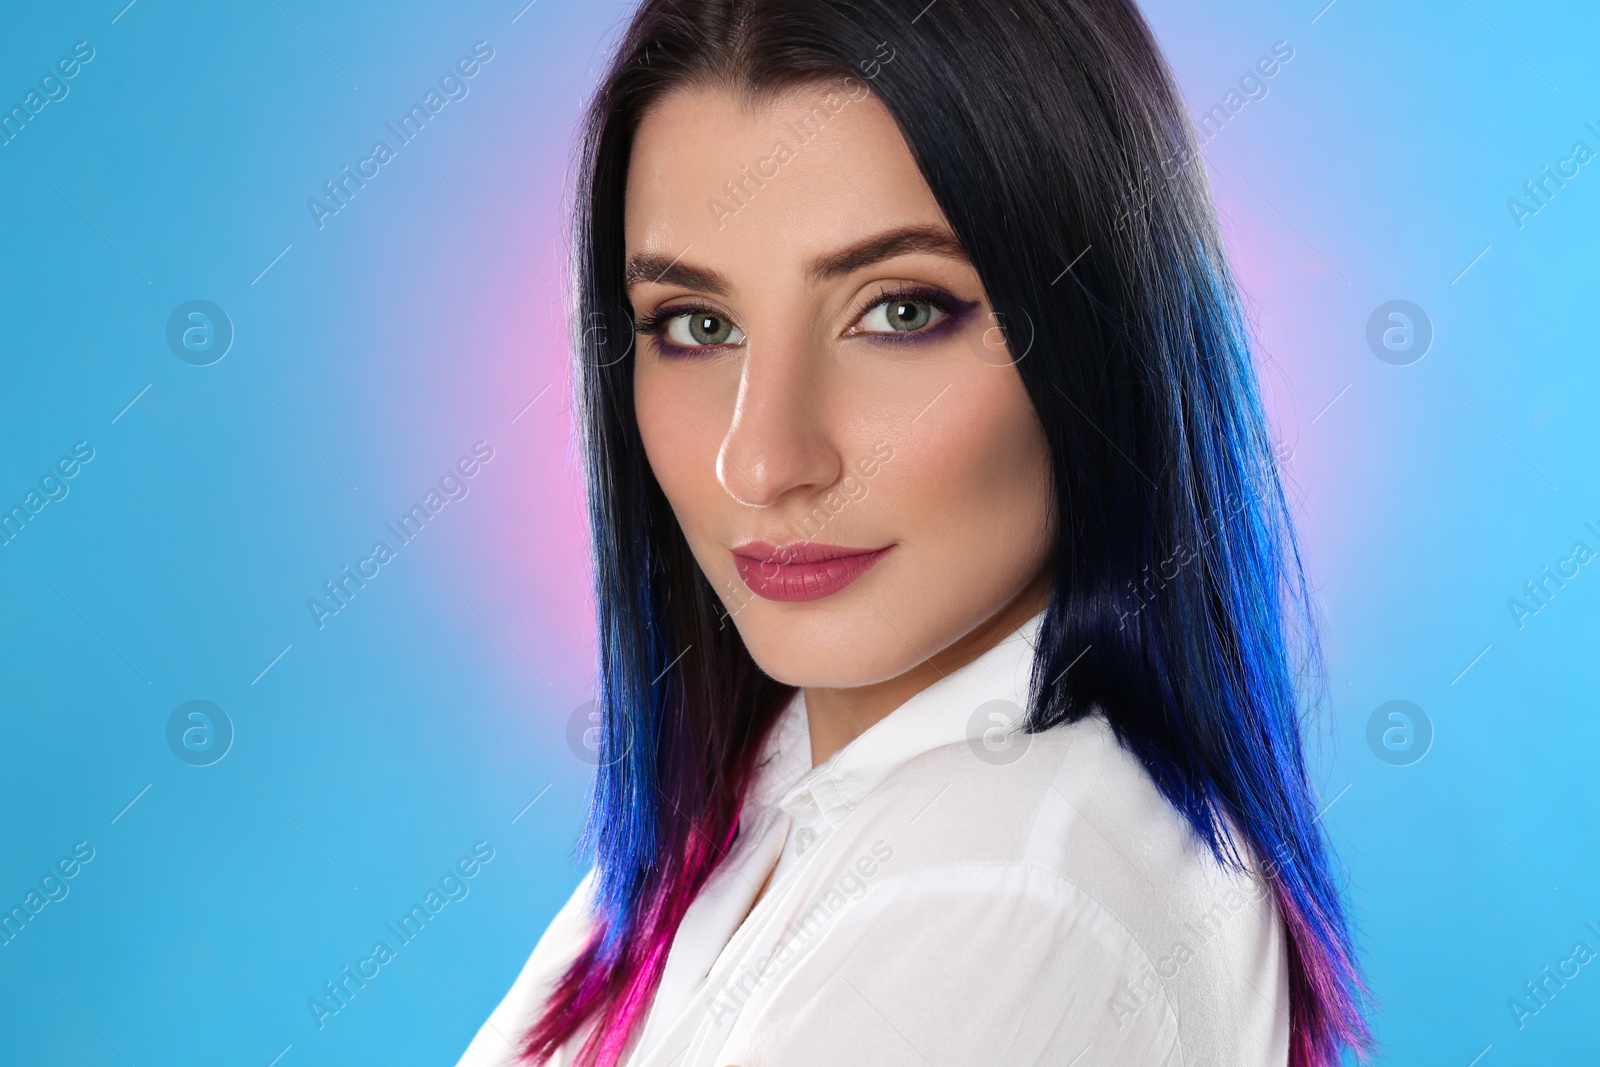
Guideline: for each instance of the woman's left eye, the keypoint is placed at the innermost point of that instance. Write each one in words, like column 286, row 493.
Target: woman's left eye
column 900, row 315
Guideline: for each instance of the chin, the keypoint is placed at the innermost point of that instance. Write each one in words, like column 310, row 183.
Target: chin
column 824, row 645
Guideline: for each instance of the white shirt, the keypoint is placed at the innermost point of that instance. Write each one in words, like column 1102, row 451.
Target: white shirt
column 948, row 890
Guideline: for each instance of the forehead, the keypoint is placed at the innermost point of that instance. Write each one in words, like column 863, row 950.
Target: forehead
column 776, row 182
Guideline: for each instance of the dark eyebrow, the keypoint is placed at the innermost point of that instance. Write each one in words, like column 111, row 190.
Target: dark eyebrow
column 904, row 240
column 652, row 267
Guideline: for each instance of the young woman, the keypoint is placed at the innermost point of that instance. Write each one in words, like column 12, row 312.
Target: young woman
column 949, row 609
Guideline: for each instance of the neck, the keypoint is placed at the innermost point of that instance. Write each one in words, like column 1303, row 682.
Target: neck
column 838, row 716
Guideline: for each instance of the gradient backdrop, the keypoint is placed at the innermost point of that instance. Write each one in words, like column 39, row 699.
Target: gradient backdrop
column 244, row 451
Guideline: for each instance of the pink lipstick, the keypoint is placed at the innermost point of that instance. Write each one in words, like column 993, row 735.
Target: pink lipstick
column 803, row 570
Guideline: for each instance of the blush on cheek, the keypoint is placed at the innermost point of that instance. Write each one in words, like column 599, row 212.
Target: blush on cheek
column 672, row 443
column 980, row 480
column 989, row 444
column 684, row 462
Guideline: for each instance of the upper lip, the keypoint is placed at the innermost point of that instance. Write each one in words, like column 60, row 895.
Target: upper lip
column 797, row 552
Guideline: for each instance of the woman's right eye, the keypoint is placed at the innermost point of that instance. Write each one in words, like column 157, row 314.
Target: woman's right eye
column 698, row 329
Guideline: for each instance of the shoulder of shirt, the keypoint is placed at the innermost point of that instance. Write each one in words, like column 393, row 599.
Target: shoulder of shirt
column 1075, row 802
column 1077, row 825
column 1079, row 807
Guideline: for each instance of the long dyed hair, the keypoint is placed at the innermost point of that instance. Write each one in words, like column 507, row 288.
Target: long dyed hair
column 1052, row 136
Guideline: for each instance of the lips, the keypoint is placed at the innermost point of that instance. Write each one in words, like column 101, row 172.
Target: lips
column 803, row 570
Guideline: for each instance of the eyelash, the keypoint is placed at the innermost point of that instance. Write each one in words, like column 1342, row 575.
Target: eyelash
column 955, row 311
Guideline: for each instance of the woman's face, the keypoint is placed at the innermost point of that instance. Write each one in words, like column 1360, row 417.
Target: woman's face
column 824, row 395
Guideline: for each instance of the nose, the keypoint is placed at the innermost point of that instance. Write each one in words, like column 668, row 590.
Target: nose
column 780, row 439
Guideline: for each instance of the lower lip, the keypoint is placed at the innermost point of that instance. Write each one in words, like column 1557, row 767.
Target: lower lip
column 791, row 582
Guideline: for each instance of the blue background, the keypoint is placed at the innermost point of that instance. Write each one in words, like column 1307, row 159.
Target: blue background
column 435, row 709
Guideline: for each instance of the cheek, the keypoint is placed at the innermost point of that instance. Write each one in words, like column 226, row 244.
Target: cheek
column 981, row 473
column 677, row 425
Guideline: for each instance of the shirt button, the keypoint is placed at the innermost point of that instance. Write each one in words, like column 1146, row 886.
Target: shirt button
column 802, row 840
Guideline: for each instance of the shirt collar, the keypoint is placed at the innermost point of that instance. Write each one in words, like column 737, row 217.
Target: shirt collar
column 946, row 712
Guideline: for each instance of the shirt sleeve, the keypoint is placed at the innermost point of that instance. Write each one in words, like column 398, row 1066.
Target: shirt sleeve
column 498, row 1040
column 965, row 965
